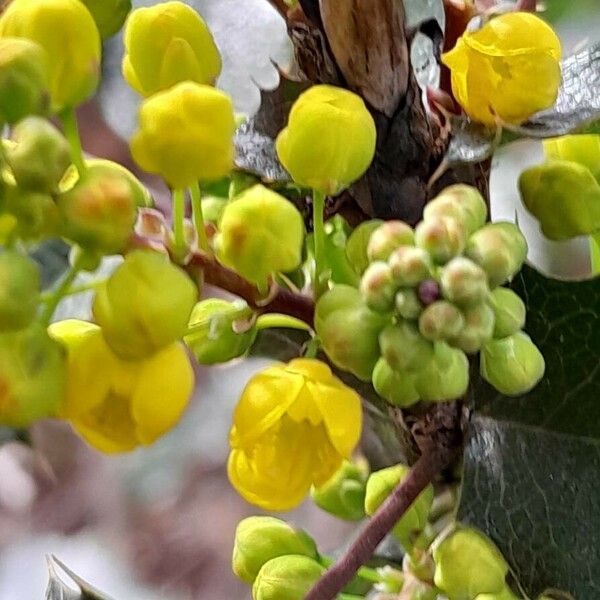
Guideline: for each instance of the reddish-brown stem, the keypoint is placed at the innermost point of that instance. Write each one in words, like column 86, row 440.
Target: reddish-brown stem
column 526, row 5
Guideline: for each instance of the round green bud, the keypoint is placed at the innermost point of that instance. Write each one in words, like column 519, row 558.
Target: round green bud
column 505, row 594
column 467, row 563
column 381, row 484
column 513, row 365
column 441, row 321
column 19, row 290
column 445, row 377
column 442, row 237
column 214, row 339
column 378, row 287
column 509, row 312
column 37, row 214
column 109, row 15
column 356, row 246
column 461, row 202
column 410, row 265
column 261, row 539
column 349, row 330
column 23, row 79
column 407, row 304
column 397, row 387
column 344, row 494
column 386, row 238
column 404, row 348
column 286, row 578
column 464, row 282
column 145, row 305
column 40, row 155
column 478, row 328
column 499, row 249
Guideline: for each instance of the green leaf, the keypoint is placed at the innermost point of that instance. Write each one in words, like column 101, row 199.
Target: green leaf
column 58, row 590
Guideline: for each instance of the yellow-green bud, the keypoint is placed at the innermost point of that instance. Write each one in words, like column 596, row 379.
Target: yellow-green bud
column 344, row 494
column 101, row 167
column 357, row 244
column 329, row 141
column 23, row 79
column 378, row 287
column 37, row 214
column 478, row 328
column 461, row 202
column 464, row 282
column 442, row 237
column 404, row 348
column 509, row 312
column 499, row 249
column 145, row 305
column 410, row 265
column 445, row 377
column 261, row 539
column 467, row 563
column 349, row 330
column 40, row 155
column 441, row 321
column 213, row 339
column 407, row 304
column 580, row 148
column 66, row 30
column 32, row 376
column 386, row 238
column 19, row 290
column 381, row 484
column 286, row 578
column 109, row 15
column 397, row 387
column 505, row 594
column 513, row 365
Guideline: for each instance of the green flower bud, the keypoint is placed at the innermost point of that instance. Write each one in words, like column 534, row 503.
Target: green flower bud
column 499, row 249
column 23, row 79
column 407, row 304
column 381, row 484
column 214, row 339
column 109, row 15
column 442, row 237
column 410, row 265
column 404, row 348
column 478, row 328
column 100, row 167
column 261, row 539
column 378, row 287
column 505, row 594
column 509, row 312
column 145, row 305
column 349, row 330
column 261, row 233
column 344, row 494
column 286, row 578
column 580, row 148
column 19, row 290
column 37, row 214
column 357, row 244
column 467, row 563
column 464, row 282
column 461, row 202
column 441, row 321
column 445, row 377
column 397, row 387
column 32, row 376
column 513, row 365
column 386, row 238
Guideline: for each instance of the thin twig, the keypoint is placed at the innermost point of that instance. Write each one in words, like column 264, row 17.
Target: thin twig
column 526, row 5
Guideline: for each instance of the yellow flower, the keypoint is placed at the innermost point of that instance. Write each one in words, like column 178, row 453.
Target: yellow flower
column 330, row 139
column 293, row 426
column 186, row 134
column 507, row 70
column 114, row 404
column 166, row 44
column 67, row 32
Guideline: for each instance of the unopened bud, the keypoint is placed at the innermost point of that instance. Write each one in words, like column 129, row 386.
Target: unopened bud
column 441, row 321
column 19, row 290
column 509, row 312
column 357, row 244
column 404, row 348
column 442, row 237
column 407, row 304
column 397, row 387
column 464, row 282
column 387, row 238
column 478, row 328
column 410, row 265
column 286, row 578
column 378, row 287
column 445, row 377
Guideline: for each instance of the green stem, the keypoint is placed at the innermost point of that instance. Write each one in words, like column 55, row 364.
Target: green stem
column 274, row 320
column 319, row 239
column 178, row 219
column 365, row 573
column 71, row 131
column 76, row 289
column 198, row 217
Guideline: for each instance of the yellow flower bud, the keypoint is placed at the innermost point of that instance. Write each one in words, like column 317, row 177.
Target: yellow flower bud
column 68, row 34
column 145, row 305
column 108, row 14
column 166, row 44
column 286, row 578
column 19, row 290
column 292, row 428
column 186, row 134
column 329, row 141
column 117, row 405
column 36, row 214
column 507, row 70
column 261, row 233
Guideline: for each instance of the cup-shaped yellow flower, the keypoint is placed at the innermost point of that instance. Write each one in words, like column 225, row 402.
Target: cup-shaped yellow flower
column 507, row 70
column 329, row 141
column 117, row 405
column 186, row 134
column 168, row 43
column 292, row 428
column 66, row 30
